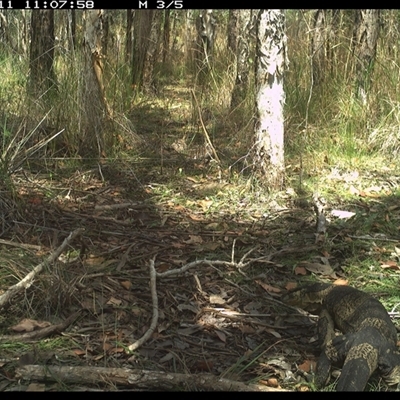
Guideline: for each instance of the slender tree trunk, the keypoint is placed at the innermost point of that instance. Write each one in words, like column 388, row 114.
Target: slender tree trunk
column 166, row 34
column 270, row 64
column 142, row 29
column 153, row 52
column 205, row 25
column 318, row 46
column 106, row 31
column 41, row 70
column 242, row 60
column 71, row 29
column 333, row 39
column 129, row 32
column 95, row 104
column 234, row 29
column 365, row 42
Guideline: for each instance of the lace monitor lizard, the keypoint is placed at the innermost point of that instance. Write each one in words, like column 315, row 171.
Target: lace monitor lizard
column 368, row 340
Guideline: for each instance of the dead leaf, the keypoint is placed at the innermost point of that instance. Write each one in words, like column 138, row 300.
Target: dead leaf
column 126, row 285
column 221, row 336
column 308, row 366
column 273, row 382
column 389, row 265
column 193, row 239
column 113, row 301
column 79, row 352
column 167, row 357
column 36, row 387
column 195, row 217
column 29, row 325
column 210, row 246
column 317, row 268
column 268, row 288
column 273, row 332
column 204, row 365
column 216, row 299
column 247, row 329
column 291, row 286
column 116, row 350
column 205, row 204
column 300, row 271
column 342, row 214
column 94, row 261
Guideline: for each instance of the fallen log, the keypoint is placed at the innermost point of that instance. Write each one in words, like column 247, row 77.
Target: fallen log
column 133, row 378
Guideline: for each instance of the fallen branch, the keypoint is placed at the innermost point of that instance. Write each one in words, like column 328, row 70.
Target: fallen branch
column 139, row 379
column 41, row 333
column 21, row 245
column 115, row 206
column 154, row 299
column 28, row 280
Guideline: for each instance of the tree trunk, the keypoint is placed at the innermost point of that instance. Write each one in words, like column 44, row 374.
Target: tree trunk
column 152, row 54
column 234, row 29
column 242, row 60
column 71, row 29
column 205, row 25
column 270, row 64
column 142, row 28
column 365, row 41
column 96, row 108
column 166, row 34
column 41, row 71
column 318, row 46
column 106, row 19
column 129, row 31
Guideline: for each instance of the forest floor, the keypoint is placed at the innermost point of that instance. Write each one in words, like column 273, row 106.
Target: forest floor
column 223, row 315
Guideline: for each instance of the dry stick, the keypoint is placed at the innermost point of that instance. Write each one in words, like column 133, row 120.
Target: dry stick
column 175, row 272
column 124, row 258
column 41, row 333
column 21, row 245
column 115, row 206
column 28, row 280
column 205, row 130
column 154, row 299
column 133, row 378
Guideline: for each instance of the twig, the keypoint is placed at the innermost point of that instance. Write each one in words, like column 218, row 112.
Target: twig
column 124, row 258
column 369, row 237
column 41, row 333
column 26, row 282
column 208, row 140
column 154, row 299
column 115, row 206
column 21, row 245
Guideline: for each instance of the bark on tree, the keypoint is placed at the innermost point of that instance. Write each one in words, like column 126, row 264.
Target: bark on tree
column 142, row 28
column 205, row 25
column 268, row 155
column 242, row 60
column 166, row 34
column 129, row 32
column 71, row 28
column 41, row 70
column 365, row 41
column 318, row 46
column 234, row 29
column 106, row 20
column 153, row 52
column 96, row 107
